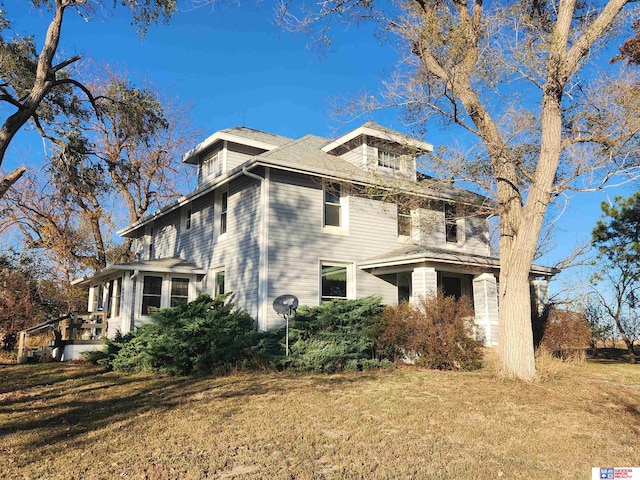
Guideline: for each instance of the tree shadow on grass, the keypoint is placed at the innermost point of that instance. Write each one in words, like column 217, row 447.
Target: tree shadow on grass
column 609, row 355
column 57, row 404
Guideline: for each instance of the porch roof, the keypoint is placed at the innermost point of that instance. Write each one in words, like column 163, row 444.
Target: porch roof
column 160, row 265
column 413, row 254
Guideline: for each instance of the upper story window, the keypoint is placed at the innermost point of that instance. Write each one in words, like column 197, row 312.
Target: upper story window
column 404, row 220
column 149, row 242
column 388, row 160
column 332, row 205
column 335, row 214
column 187, row 217
column 451, row 223
column 224, row 202
column 213, row 163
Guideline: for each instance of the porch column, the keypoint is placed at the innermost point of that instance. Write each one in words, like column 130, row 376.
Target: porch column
column 127, row 305
column 539, row 295
column 424, row 283
column 485, row 299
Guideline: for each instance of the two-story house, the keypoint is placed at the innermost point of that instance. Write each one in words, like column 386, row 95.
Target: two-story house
column 318, row 218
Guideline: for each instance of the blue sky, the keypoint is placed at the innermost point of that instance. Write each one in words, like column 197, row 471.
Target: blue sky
column 236, row 67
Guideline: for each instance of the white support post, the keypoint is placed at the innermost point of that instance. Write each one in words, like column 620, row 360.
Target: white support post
column 539, row 295
column 485, row 299
column 424, row 283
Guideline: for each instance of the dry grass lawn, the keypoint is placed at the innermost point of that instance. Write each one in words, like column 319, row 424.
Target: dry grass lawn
column 79, row 422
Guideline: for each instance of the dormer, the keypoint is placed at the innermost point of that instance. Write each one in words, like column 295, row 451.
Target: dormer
column 378, row 149
column 226, row 149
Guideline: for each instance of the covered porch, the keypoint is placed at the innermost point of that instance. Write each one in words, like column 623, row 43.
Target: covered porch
column 129, row 293
column 417, row 271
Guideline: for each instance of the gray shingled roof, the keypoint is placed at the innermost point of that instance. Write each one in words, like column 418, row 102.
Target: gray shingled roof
column 306, row 154
column 258, row 135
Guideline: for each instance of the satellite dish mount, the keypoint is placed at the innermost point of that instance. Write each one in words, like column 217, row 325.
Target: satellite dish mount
column 286, row 306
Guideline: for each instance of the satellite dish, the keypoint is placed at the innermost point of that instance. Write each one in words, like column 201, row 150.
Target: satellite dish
column 285, row 304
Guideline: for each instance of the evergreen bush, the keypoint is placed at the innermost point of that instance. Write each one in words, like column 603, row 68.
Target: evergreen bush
column 335, row 336
column 201, row 337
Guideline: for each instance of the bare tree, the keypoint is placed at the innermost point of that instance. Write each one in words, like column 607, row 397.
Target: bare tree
column 522, row 78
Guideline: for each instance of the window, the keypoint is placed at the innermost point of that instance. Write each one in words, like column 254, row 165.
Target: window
column 404, row 221
column 224, row 200
column 213, row 163
column 388, row 160
column 179, row 291
column 451, row 223
column 332, row 205
column 219, row 283
column 334, row 282
column 150, row 243
column 151, row 294
column 187, row 222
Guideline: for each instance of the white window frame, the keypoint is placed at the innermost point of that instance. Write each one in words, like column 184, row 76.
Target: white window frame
column 343, row 228
column 213, row 164
column 187, row 217
column 404, row 212
column 351, row 279
column 148, row 250
column 114, row 286
column 165, row 295
column 219, row 214
column 389, row 160
column 459, row 224
column 171, row 295
column 213, row 281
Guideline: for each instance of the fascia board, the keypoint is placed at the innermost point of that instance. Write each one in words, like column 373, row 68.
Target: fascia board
column 373, row 132
column 192, row 155
column 537, row 270
column 186, row 199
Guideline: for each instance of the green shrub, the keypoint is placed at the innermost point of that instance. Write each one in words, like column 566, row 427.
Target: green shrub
column 437, row 333
column 335, row 336
column 202, row 337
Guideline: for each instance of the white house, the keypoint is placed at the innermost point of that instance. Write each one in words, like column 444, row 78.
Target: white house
column 318, row 218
